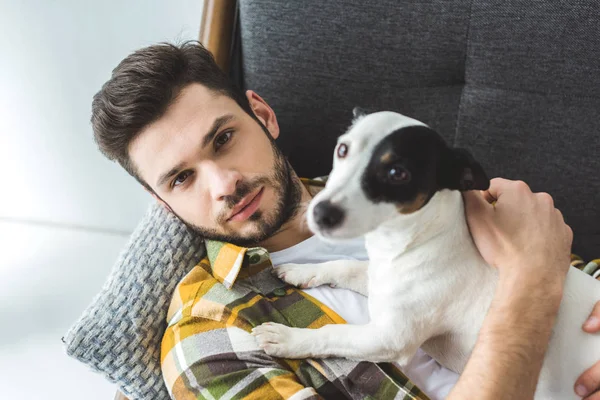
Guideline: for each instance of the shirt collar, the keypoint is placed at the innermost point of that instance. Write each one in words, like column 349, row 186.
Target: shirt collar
column 226, row 259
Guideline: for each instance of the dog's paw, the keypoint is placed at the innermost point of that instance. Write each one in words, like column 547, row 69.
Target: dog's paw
column 303, row 275
column 281, row 341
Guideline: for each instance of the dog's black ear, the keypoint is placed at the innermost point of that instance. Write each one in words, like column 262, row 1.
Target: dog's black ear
column 458, row 170
column 358, row 112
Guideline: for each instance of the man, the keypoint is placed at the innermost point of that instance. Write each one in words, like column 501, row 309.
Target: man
column 206, row 151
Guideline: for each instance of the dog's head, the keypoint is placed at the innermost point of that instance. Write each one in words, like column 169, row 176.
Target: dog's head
column 387, row 164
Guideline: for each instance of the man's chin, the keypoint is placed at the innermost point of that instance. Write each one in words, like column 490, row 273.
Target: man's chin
column 246, row 234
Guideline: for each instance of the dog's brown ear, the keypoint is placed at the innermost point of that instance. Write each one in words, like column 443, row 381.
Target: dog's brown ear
column 458, row 170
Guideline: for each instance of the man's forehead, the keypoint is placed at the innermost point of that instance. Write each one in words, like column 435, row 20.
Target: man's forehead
column 165, row 142
column 195, row 106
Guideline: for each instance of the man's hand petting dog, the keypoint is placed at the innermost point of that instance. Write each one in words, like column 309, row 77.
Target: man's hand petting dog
column 498, row 233
column 505, row 222
column 589, row 381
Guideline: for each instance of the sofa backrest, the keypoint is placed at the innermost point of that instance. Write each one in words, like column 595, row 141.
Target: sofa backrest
column 514, row 81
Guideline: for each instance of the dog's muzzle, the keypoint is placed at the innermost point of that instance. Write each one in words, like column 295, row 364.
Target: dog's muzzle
column 327, row 215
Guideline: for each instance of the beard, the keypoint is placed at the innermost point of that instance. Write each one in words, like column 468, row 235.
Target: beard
column 288, row 191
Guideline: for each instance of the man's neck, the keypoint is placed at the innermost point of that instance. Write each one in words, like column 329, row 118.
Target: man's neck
column 295, row 230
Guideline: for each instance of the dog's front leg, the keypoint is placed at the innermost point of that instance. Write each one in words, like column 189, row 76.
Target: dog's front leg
column 368, row 342
column 347, row 274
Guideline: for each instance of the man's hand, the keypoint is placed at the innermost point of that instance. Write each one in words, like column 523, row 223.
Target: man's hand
column 521, row 233
column 527, row 240
column 589, row 381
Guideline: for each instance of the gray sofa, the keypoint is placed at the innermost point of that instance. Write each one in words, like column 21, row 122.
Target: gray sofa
column 515, row 81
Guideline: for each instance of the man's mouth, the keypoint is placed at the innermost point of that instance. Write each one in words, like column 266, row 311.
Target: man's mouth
column 247, row 206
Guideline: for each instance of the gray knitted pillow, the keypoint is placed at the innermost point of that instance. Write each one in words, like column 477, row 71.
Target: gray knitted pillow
column 119, row 334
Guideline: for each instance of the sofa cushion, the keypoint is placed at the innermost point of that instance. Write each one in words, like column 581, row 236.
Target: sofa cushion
column 119, row 334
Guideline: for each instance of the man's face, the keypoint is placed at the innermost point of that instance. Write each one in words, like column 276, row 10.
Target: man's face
column 217, row 168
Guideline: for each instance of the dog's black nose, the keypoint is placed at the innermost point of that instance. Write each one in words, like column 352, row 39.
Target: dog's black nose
column 328, row 215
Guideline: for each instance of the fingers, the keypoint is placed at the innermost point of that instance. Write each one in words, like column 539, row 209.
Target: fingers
column 500, row 186
column 474, row 201
column 592, row 324
column 478, row 211
column 496, row 189
column 545, row 198
column 595, row 396
column 589, row 381
column 569, row 233
column 568, row 230
column 488, row 196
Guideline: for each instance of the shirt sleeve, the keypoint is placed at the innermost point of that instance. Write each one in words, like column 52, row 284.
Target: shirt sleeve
column 205, row 359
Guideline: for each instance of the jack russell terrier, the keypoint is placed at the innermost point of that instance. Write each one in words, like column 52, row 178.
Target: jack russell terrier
column 396, row 181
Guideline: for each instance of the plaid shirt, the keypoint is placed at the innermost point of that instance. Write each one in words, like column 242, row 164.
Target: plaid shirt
column 208, row 352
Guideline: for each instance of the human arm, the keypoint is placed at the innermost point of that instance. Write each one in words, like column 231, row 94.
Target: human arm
column 521, row 235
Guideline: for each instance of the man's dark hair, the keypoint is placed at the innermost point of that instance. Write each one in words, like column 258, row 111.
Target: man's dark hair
column 144, row 85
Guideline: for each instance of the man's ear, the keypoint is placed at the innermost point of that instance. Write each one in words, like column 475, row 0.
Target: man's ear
column 458, row 170
column 264, row 113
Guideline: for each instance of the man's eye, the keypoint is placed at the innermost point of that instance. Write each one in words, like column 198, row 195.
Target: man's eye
column 223, row 138
column 181, row 178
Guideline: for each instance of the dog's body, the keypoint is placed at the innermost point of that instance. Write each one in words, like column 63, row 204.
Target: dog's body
column 441, row 254
column 427, row 284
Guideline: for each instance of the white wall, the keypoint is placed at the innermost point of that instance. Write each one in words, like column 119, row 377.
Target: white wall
column 54, row 56
column 65, row 211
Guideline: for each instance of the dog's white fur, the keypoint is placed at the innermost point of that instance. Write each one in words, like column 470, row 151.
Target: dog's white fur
column 427, row 284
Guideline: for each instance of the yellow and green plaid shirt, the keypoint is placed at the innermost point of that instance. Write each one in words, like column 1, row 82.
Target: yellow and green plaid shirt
column 209, row 353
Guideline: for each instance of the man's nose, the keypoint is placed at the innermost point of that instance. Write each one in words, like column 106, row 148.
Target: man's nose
column 222, row 182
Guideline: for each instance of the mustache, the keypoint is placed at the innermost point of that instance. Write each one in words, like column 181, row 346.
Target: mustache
column 243, row 189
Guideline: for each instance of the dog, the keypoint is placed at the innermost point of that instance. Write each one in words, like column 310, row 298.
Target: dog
column 397, row 182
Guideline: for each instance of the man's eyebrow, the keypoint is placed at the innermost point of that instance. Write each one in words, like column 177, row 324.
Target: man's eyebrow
column 219, row 122
column 168, row 175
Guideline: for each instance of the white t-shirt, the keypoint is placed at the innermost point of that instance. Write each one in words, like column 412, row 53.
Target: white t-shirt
column 435, row 380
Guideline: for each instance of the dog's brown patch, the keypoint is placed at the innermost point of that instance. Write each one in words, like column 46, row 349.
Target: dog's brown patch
column 386, row 157
column 415, row 205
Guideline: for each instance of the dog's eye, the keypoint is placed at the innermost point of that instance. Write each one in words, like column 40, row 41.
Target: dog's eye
column 397, row 174
column 342, row 150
